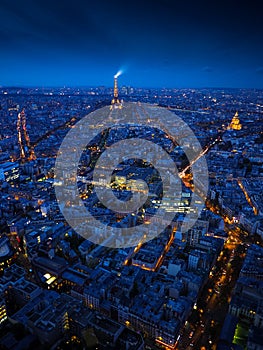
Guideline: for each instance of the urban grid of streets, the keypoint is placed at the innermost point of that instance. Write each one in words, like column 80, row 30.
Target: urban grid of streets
column 209, row 113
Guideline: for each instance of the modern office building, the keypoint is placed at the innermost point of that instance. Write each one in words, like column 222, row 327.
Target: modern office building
column 9, row 172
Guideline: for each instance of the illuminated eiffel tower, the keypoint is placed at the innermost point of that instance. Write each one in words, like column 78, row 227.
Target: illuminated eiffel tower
column 116, row 103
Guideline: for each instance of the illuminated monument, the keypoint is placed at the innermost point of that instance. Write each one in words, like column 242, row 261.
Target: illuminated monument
column 235, row 123
column 116, row 103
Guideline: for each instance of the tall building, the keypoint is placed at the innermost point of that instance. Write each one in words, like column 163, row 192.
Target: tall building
column 9, row 172
column 194, row 235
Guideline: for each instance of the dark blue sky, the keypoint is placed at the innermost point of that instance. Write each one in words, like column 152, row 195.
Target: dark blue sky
column 166, row 43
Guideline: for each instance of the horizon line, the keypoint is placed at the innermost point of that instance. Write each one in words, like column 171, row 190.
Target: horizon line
column 124, row 85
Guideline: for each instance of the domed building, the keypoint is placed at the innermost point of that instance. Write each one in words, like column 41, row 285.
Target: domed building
column 235, row 123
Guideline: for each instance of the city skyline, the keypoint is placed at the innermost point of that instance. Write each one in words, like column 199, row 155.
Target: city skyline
column 171, row 45
column 131, row 167
column 134, row 286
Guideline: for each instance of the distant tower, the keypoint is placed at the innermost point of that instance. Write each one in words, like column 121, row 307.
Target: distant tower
column 116, row 91
column 26, row 150
column 235, row 123
column 115, row 103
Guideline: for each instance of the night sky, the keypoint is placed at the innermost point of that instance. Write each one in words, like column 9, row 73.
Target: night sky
column 166, row 43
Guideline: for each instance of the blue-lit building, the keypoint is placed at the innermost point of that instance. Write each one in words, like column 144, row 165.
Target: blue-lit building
column 9, row 172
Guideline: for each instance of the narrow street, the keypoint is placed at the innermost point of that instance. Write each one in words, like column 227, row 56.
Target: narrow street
column 208, row 316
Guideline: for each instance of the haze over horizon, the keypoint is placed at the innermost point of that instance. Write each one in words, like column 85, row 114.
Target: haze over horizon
column 157, row 44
